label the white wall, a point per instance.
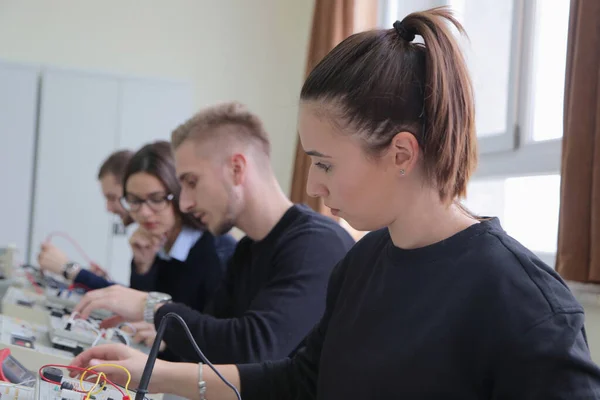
(251, 51)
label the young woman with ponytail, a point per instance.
(434, 303)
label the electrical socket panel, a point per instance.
(18, 280)
(22, 304)
(62, 298)
(31, 280)
(30, 343)
(34, 307)
(78, 335)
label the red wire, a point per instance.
(78, 248)
(42, 377)
(36, 285)
(90, 371)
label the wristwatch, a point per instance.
(68, 268)
(152, 300)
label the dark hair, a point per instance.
(157, 160)
(115, 164)
(381, 83)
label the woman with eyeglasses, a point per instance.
(172, 254)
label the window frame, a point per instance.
(509, 139)
(513, 153)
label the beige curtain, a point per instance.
(333, 21)
(578, 256)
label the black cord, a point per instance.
(145, 379)
(30, 266)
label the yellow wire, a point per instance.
(90, 393)
(111, 365)
(82, 387)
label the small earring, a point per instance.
(401, 172)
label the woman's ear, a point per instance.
(405, 150)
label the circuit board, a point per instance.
(50, 391)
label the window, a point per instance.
(548, 68)
(488, 55)
(516, 54)
(528, 207)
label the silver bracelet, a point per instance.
(201, 383)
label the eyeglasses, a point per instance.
(156, 202)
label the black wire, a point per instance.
(145, 379)
(30, 266)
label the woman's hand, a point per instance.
(125, 302)
(180, 379)
(119, 354)
(144, 247)
(52, 259)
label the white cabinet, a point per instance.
(18, 108)
(83, 118)
(78, 128)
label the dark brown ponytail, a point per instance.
(382, 82)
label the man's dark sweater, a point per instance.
(474, 317)
(274, 292)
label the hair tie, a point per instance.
(408, 35)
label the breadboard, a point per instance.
(50, 391)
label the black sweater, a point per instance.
(476, 316)
(274, 292)
(144, 282)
